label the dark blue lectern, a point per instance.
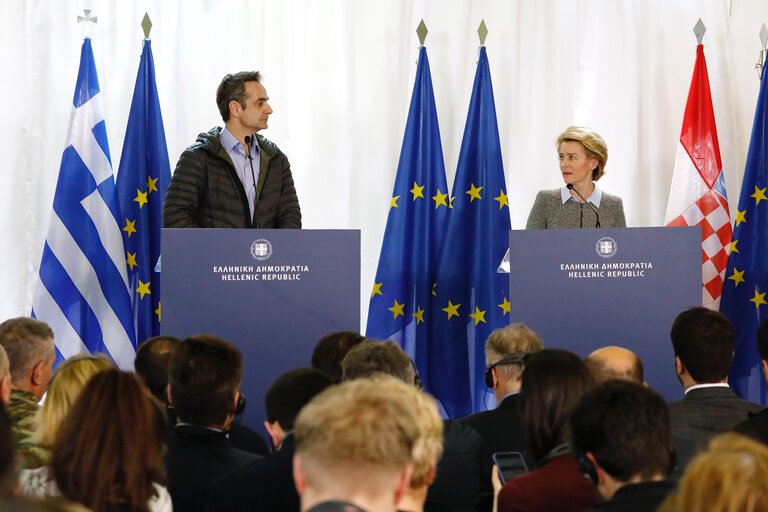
(581, 289)
(273, 293)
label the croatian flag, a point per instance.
(697, 196)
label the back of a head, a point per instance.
(357, 434)
(553, 383)
(291, 392)
(730, 475)
(153, 358)
(703, 340)
(204, 375)
(26, 341)
(65, 386)
(626, 427)
(108, 448)
(511, 341)
(372, 357)
(615, 363)
(330, 351)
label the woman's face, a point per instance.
(576, 166)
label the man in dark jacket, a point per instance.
(231, 177)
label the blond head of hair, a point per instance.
(357, 434)
(594, 146)
(65, 386)
(511, 340)
(729, 476)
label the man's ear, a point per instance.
(37, 373)
(764, 364)
(234, 108)
(275, 431)
(403, 482)
(679, 366)
(298, 476)
(5, 389)
(599, 471)
(168, 396)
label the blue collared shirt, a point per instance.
(236, 152)
(595, 197)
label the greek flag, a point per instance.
(83, 289)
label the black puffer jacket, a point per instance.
(205, 191)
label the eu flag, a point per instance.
(744, 299)
(471, 298)
(142, 180)
(83, 288)
(415, 225)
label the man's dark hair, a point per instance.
(762, 339)
(152, 360)
(553, 382)
(205, 373)
(626, 427)
(371, 357)
(330, 351)
(703, 340)
(292, 391)
(232, 87)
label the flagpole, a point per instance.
(761, 58)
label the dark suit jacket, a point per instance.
(266, 484)
(755, 427)
(502, 431)
(642, 497)
(706, 412)
(196, 458)
(557, 486)
(459, 473)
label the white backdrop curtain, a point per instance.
(339, 74)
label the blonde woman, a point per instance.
(580, 203)
(65, 386)
(732, 474)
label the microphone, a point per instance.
(597, 215)
(248, 140)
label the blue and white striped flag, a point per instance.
(83, 289)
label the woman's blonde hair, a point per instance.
(593, 144)
(731, 475)
(66, 383)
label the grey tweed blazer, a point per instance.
(549, 212)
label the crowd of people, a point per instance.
(354, 431)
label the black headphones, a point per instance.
(589, 471)
(554, 453)
(513, 359)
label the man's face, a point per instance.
(255, 115)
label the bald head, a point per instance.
(615, 363)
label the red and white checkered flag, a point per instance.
(697, 196)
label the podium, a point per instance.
(272, 293)
(582, 289)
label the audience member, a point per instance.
(330, 351)
(267, 484)
(757, 426)
(65, 386)
(553, 383)
(702, 340)
(501, 428)
(615, 363)
(204, 379)
(459, 480)
(107, 453)
(153, 358)
(729, 476)
(622, 436)
(29, 346)
(354, 446)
